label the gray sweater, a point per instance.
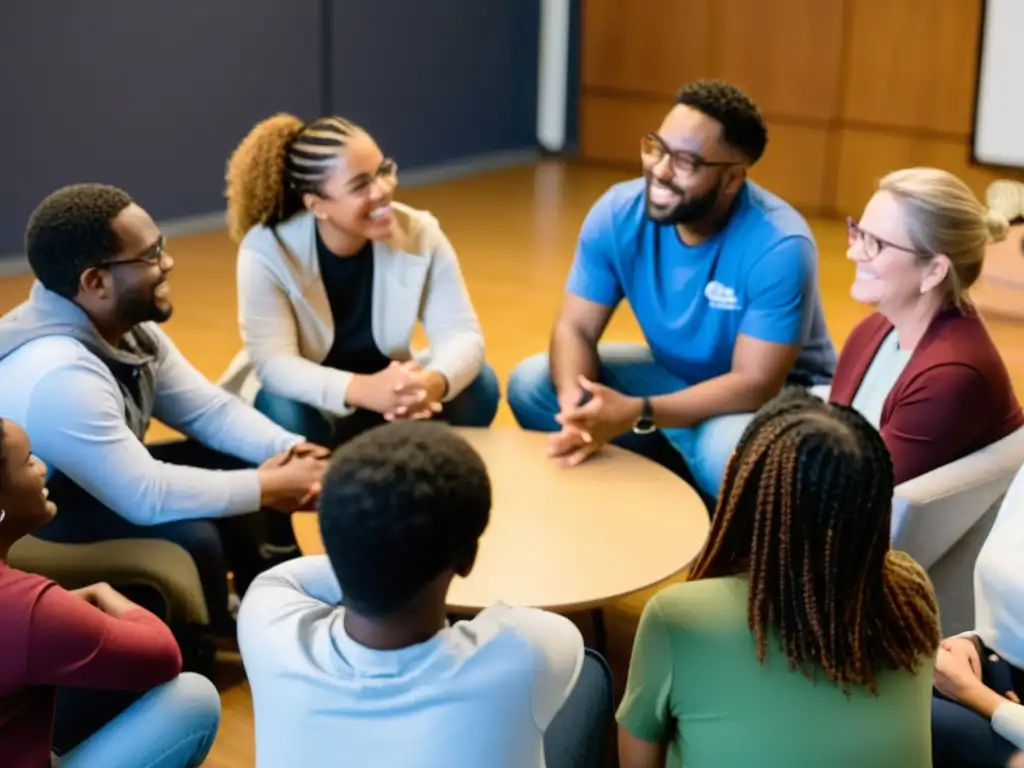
(86, 407)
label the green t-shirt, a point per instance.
(694, 680)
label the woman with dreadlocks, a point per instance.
(333, 276)
(800, 639)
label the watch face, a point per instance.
(644, 425)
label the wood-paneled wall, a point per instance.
(850, 89)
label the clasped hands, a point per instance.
(958, 676)
(400, 391)
(590, 417)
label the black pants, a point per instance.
(960, 736)
(234, 543)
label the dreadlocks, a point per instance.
(805, 509)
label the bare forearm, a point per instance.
(729, 393)
(572, 355)
(982, 700)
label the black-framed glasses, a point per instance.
(653, 149)
(386, 171)
(872, 244)
(154, 256)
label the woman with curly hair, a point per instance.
(800, 638)
(333, 275)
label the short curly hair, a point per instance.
(400, 504)
(743, 127)
(69, 231)
(279, 160)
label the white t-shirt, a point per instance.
(479, 693)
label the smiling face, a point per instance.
(690, 172)
(356, 197)
(141, 269)
(891, 274)
(23, 495)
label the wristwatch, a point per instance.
(644, 423)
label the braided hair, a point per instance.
(805, 510)
(280, 160)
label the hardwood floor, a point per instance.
(515, 232)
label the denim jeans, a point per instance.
(475, 406)
(631, 369)
(171, 726)
(576, 737)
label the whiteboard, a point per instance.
(999, 114)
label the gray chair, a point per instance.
(942, 518)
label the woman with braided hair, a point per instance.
(800, 638)
(333, 276)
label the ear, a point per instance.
(313, 204)
(95, 282)
(464, 565)
(935, 272)
(734, 179)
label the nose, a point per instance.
(40, 466)
(166, 262)
(662, 168)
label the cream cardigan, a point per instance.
(286, 323)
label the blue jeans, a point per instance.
(576, 736)
(475, 406)
(172, 726)
(630, 369)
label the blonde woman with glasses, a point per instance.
(923, 368)
(333, 275)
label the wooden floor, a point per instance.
(515, 233)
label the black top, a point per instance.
(348, 281)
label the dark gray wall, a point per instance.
(152, 96)
(438, 80)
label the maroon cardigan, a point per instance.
(953, 398)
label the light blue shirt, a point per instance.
(67, 400)
(886, 366)
(479, 693)
(758, 277)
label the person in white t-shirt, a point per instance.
(351, 658)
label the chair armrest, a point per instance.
(155, 563)
(932, 512)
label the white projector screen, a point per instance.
(999, 113)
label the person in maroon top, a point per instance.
(923, 367)
(92, 637)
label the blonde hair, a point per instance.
(279, 161)
(943, 216)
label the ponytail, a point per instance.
(279, 161)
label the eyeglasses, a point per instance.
(154, 256)
(872, 245)
(387, 172)
(653, 149)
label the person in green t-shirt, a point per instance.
(800, 639)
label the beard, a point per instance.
(141, 306)
(686, 211)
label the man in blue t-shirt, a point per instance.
(722, 277)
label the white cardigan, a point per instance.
(286, 323)
(999, 599)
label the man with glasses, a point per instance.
(85, 367)
(722, 277)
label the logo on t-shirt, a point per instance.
(721, 296)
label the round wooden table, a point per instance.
(568, 538)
